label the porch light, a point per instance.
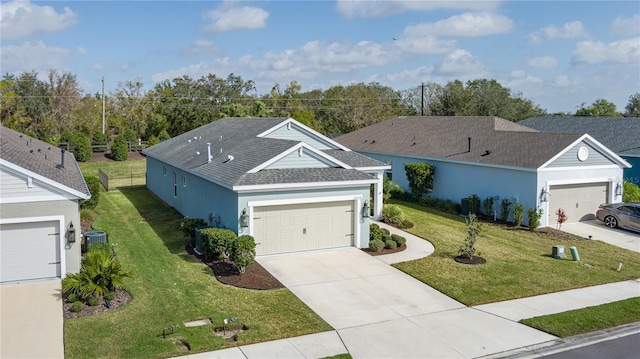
(366, 209)
(71, 233)
(244, 219)
(545, 195)
(619, 188)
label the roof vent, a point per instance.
(486, 153)
(209, 157)
(229, 159)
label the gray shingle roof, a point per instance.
(508, 143)
(41, 158)
(619, 134)
(354, 159)
(237, 137)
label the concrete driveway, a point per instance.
(597, 230)
(381, 312)
(31, 320)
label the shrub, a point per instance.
(472, 230)
(474, 204)
(110, 296)
(488, 206)
(390, 244)
(393, 214)
(82, 145)
(445, 205)
(100, 247)
(505, 209)
(216, 241)
(561, 217)
(72, 298)
(534, 218)
(76, 306)
(375, 232)
(391, 190)
(120, 149)
(400, 240)
(163, 135)
(518, 214)
(631, 192)
(189, 225)
(92, 301)
(242, 251)
(93, 183)
(99, 274)
(376, 245)
(420, 177)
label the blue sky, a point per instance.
(557, 53)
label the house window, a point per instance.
(164, 170)
(184, 181)
(175, 184)
(389, 173)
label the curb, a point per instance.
(564, 344)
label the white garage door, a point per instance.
(300, 227)
(579, 201)
(29, 251)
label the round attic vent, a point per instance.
(583, 154)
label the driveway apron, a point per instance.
(381, 312)
(598, 231)
(31, 320)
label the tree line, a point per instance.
(57, 109)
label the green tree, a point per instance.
(631, 192)
(518, 214)
(82, 147)
(472, 231)
(420, 177)
(599, 108)
(242, 252)
(120, 148)
(93, 183)
(632, 109)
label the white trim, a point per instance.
(43, 179)
(592, 141)
(373, 169)
(314, 133)
(578, 168)
(32, 199)
(62, 237)
(579, 181)
(306, 185)
(357, 205)
(291, 150)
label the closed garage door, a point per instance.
(579, 201)
(29, 251)
(300, 227)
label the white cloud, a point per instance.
(21, 19)
(626, 25)
(34, 56)
(596, 52)
(570, 30)
(470, 24)
(383, 8)
(229, 18)
(461, 62)
(426, 45)
(543, 62)
(563, 81)
(202, 47)
(97, 66)
(408, 76)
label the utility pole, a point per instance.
(103, 105)
(422, 99)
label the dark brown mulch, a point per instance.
(254, 277)
(105, 157)
(467, 260)
(384, 250)
(122, 297)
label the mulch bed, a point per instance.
(254, 277)
(105, 157)
(384, 251)
(467, 260)
(122, 297)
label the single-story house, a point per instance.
(283, 183)
(493, 157)
(41, 187)
(620, 134)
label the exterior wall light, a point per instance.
(545, 195)
(244, 219)
(366, 210)
(71, 233)
(619, 188)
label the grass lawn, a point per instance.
(518, 261)
(588, 319)
(114, 168)
(170, 287)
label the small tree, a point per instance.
(505, 209)
(534, 217)
(93, 183)
(518, 214)
(488, 206)
(472, 230)
(561, 217)
(120, 148)
(474, 204)
(631, 192)
(420, 177)
(242, 252)
(82, 145)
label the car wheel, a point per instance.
(611, 221)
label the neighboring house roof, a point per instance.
(244, 141)
(493, 140)
(619, 134)
(42, 159)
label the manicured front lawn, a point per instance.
(114, 168)
(170, 287)
(588, 319)
(518, 261)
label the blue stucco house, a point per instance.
(620, 134)
(285, 184)
(493, 157)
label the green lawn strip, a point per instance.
(170, 287)
(588, 319)
(340, 356)
(116, 168)
(518, 261)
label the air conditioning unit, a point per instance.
(94, 237)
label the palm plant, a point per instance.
(100, 274)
